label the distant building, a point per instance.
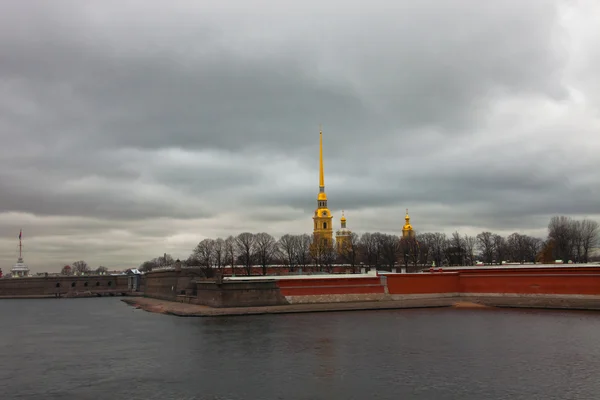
(20, 270)
(342, 236)
(134, 279)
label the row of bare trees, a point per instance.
(567, 240)
(248, 250)
(572, 239)
(81, 268)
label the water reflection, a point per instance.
(88, 349)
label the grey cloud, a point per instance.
(197, 119)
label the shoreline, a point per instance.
(81, 295)
(480, 303)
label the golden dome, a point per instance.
(407, 226)
(343, 219)
(322, 196)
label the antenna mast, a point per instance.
(20, 245)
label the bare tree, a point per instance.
(560, 230)
(328, 255)
(266, 249)
(66, 270)
(470, 243)
(80, 267)
(517, 247)
(350, 251)
(577, 240)
(303, 256)
(590, 237)
(101, 270)
(165, 260)
(148, 266)
(370, 244)
(288, 246)
(245, 243)
(219, 253)
(229, 252)
(438, 244)
(485, 243)
(425, 248)
(204, 252)
(534, 248)
(456, 249)
(390, 249)
(409, 252)
(500, 249)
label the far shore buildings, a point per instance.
(323, 219)
(20, 270)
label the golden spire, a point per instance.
(321, 173)
(322, 198)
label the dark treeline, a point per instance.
(567, 240)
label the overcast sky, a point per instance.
(133, 128)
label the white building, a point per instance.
(19, 270)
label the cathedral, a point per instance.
(323, 219)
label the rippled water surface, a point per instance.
(104, 349)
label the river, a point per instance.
(101, 348)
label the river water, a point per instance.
(104, 349)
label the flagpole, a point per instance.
(20, 245)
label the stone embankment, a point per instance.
(193, 310)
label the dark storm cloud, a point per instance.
(198, 119)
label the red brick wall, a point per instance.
(572, 281)
(423, 283)
(580, 283)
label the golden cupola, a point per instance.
(407, 230)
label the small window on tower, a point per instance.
(324, 225)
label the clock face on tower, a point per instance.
(324, 213)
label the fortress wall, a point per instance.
(64, 286)
(238, 294)
(526, 270)
(166, 285)
(332, 290)
(412, 284)
(546, 281)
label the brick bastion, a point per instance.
(186, 292)
(67, 286)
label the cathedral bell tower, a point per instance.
(323, 229)
(342, 237)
